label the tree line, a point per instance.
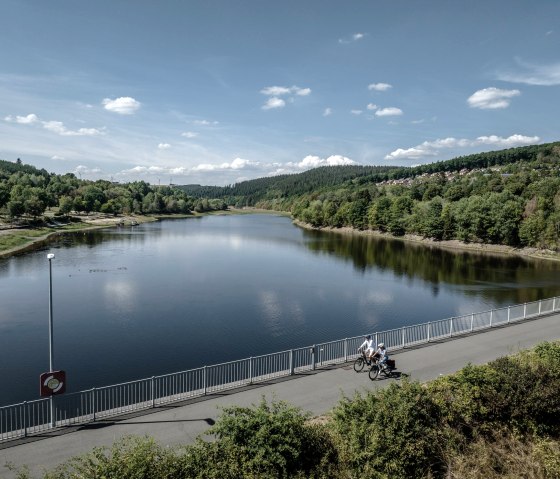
(27, 192)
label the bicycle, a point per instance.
(386, 369)
(361, 361)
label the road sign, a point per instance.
(52, 383)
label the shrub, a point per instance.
(131, 457)
(394, 432)
(266, 440)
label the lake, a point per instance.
(172, 295)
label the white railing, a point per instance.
(33, 417)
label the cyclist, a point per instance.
(367, 347)
(382, 354)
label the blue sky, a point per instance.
(219, 91)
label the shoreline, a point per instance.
(100, 222)
(90, 223)
(453, 245)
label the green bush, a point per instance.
(394, 432)
(266, 440)
(131, 458)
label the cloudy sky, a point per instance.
(219, 91)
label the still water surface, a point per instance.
(168, 296)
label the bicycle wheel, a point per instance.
(374, 372)
(359, 364)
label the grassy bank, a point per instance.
(21, 239)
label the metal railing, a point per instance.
(33, 417)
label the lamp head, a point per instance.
(50, 256)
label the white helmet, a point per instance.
(381, 345)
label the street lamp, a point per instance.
(50, 257)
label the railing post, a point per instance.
(313, 358)
(540, 304)
(403, 337)
(472, 322)
(491, 314)
(251, 370)
(524, 310)
(25, 419)
(292, 368)
(152, 391)
(345, 350)
(451, 328)
(376, 339)
(93, 403)
(554, 304)
(508, 313)
(429, 330)
(204, 386)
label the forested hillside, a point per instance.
(27, 192)
(247, 193)
(509, 197)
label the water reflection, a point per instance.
(492, 276)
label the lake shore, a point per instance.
(32, 238)
(20, 240)
(454, 245)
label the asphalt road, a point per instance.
(317, 392)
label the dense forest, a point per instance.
(509, 197)
(27, 192)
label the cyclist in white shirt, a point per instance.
(367, 347)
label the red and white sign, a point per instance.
(52, 383)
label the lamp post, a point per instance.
(50, 257)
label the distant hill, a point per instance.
(282, 186)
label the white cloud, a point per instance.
(356, 112)
(237, 164)
(491, 98)
(509, 142)
(53, 126)
(530, 74)
(327, 112)
(56, 157)
(189, 134)
(390, 111)
(311, 161)
(277, 91)
(431, 148)
(371, 106)
(302, 91)
(59, 128)
(379, 86)
(123, 105)
(274, 102)
(24, 120)
(352, 38)
(206, 122)
(164, 146)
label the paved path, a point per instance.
(316, 392)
